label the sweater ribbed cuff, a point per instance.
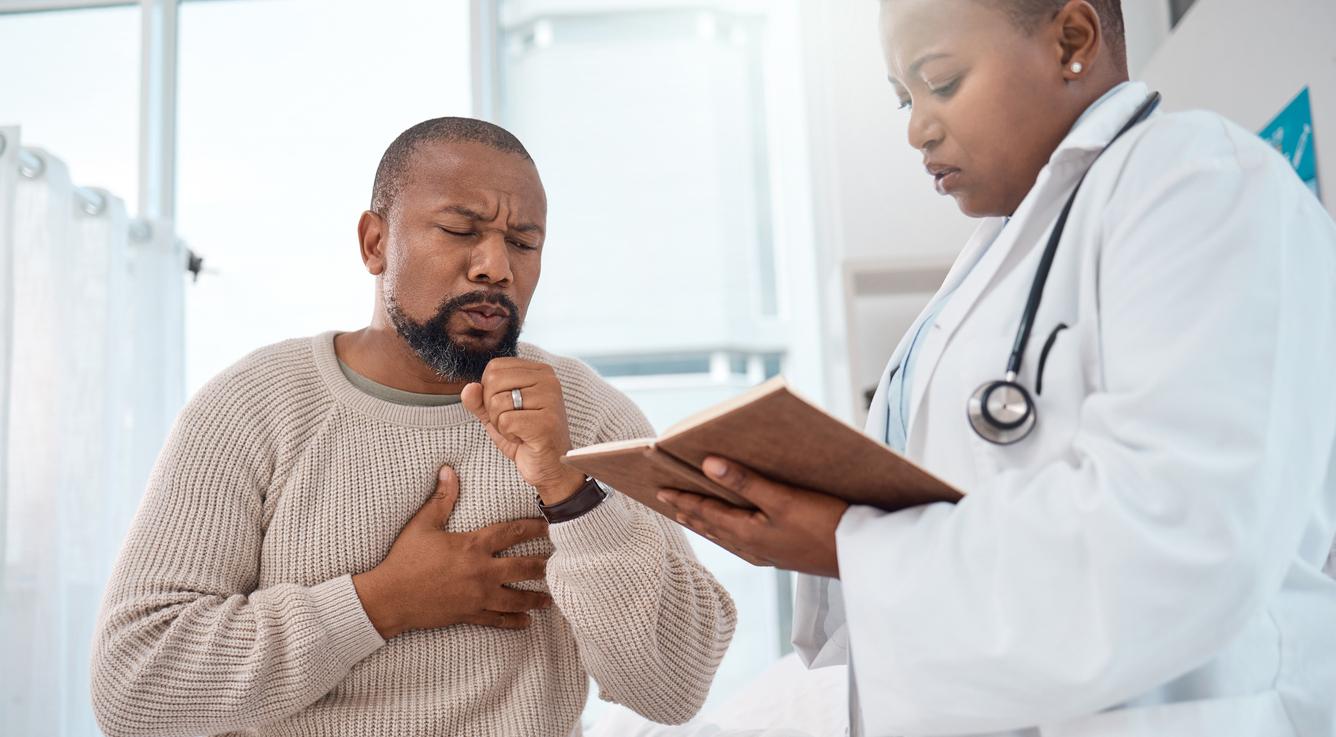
(607, 528)
(352, 637)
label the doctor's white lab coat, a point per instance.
(1149, 561)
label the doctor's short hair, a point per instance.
(397, 159)
(1029, 14)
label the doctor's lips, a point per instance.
(946, 178)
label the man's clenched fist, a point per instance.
(534, 436)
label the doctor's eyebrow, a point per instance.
(917, 65)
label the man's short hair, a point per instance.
(1029, 14)
(395, 163)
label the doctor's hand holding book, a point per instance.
(766, 475)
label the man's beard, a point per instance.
(432, 343)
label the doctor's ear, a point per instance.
(371, 234)
(1080, 38)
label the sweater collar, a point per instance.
(327, 363)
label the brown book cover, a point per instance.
(778, 434)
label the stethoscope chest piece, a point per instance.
(1002, 412)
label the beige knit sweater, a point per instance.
(231, 608)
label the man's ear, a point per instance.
(371, 234)
(1080, 38)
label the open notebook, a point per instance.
(773, 431)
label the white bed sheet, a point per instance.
(786, 700)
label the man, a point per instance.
(343, 533)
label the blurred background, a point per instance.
(731, 198)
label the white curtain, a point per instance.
(94, 342)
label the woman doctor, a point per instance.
(1141, 411)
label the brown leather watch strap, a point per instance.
(577, 505)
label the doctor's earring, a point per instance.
(1077, 67)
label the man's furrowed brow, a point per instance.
(469, 213)
(478, 217)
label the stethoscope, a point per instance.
(1003, 412)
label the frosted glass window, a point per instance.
(70, 79)
(649, 129)
(285, 109)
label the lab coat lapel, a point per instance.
(878, 410)
(1030, 226)
(998, 236)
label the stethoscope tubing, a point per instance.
(1036, 295)
(978, 410)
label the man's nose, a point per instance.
(489, 261)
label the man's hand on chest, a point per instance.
(433, 578)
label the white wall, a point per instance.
(1246, 59)
(1147, 23)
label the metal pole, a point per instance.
(157, 110)
(157, 206)
(9, 164)
(484, 27)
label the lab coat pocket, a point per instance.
(1250, 716)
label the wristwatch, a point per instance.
(576, 505)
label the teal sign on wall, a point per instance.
(1292, 135)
